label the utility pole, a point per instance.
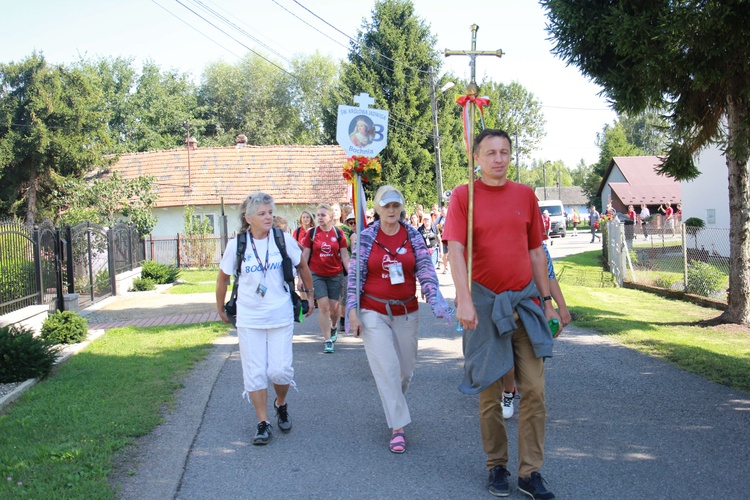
(436, 140)
(187, 146)
(518, 165)
(544, 178)
(559, 177)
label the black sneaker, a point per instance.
(283, 420)
(263, 434)
(498, 481)
(534, 486)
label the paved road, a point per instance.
(620, 425)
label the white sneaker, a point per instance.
(508, 404)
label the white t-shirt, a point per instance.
(645, 212)
(274, 309)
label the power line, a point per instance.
(233, 38)
(196, 29)
(359, 44)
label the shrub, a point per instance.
(65, 327)
(101, 282)
(143, 284)
(663, 281)
(703, 279)
(159, 273)
(24, 356)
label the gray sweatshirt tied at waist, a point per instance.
(488, 351)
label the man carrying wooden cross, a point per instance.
(504, 325)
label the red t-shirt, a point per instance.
(300, 234)
(325, 259)
(546, 221)
(506, 226)
(378, 282)
(631, 214)
(669, 212)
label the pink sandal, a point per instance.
(398, 442)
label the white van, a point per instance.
(557, 216)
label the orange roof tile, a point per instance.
(291, 174)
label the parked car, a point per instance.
(557, 217)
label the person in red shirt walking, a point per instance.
(324, 248)
(506, 311)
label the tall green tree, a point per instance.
(516, 110)
(612, 142)
(648, 130)
(692, 58)
(391, 60)
(315, 76)
(52, 127)
(253, 97)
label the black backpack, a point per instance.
(286, 265)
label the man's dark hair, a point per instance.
(490, 132)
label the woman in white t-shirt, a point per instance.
(264, 310)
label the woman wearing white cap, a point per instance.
(391, 256)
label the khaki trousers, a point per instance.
(532, 415)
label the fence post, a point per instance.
(91, 258)
(111, 260)
(38, 265)
(224, 236)
(130, 249)
(58, 271)
(69, 259)
(151, 246)
(178, 250)
(684, 257)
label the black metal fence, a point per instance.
(41, 264)
(186, 251)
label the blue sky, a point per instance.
(166, 32)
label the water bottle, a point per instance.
(554, 326)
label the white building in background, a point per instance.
(707, 197)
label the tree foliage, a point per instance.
(109, 200)
(52, 127)
(691, 58)
(391, 60)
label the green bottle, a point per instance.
(554, 326)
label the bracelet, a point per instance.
(307, 291)
(545, 299)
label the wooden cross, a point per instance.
(472, 89)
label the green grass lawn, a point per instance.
(655, 325)
(59, 438)
(196, 281)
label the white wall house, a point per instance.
(707, 196)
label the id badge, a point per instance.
(261, 290)
(396, 272)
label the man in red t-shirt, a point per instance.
(507, 256)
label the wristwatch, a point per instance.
(545, 299)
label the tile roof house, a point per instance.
(632, 180)
(298, 178)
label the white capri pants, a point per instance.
(391, 347)
(266, 354)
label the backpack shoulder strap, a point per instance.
(286, 261)
(241, 246)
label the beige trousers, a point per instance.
(391, 347)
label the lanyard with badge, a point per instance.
(262, 289)
(396, 269)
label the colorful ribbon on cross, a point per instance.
(480, 103)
